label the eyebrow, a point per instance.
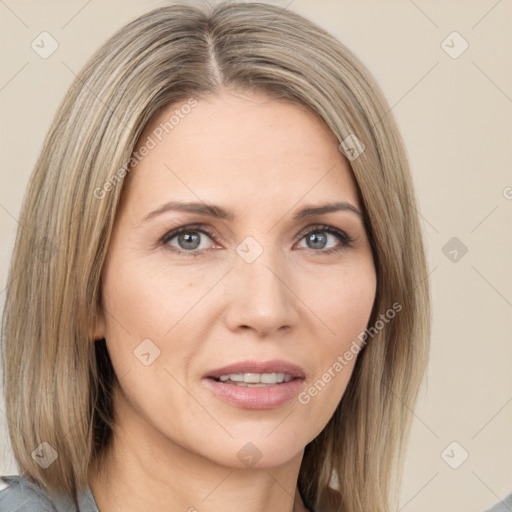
(211, 210)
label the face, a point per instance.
(261, 282)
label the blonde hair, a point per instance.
(58, 383)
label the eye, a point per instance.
(189, 239)
(317, 238)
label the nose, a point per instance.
(260, 295)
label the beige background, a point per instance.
(455, 116)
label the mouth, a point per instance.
(252, 371)
(254, 380)
(256, 385)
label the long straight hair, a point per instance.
(58, 383)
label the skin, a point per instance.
(175, 442)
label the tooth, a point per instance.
(269, 378)
(253, 378)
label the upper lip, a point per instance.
(274, 366)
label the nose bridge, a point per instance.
(260, 297)
(261, 268)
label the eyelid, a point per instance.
(200, 228)
(347, 241)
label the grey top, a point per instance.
(505, 505)
(21, 495)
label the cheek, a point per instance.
(153, 308)
(144, 304)
(148, 298)
(344, 305)
(355, 301)
(348, 315)
(342, 299)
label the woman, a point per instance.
(223, 276)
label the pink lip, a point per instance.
(274, 366)
(264, 397)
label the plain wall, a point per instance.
(455, 117)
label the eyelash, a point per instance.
(346, 241)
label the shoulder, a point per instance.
(20, 495)
(504, 505)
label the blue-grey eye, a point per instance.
(188, 239)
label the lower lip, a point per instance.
(268, 397)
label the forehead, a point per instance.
(243, 148)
